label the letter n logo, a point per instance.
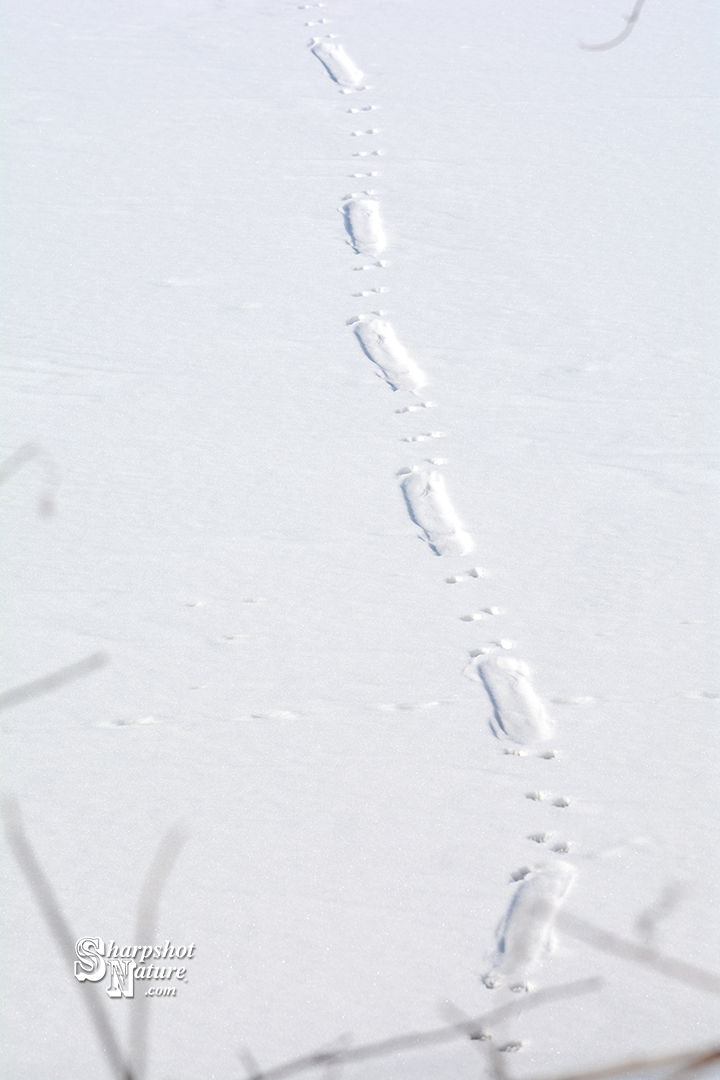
(122, 982)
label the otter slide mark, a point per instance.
(519, 712)
(431, 509)
(380, 343)
(525, 933)
(362, 221)
(337, 63)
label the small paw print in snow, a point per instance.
(561, 802)
(521, 874)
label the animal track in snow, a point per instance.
(424, 436)
(416, 408)
(130, 722)
(279, 714)
(431, 509)
(561, 802)
(475, 617)
(380, 343)
(337, 63)
(539, 837)
(519, 712)
(521, 874)
(362, 221)
(409, 706)
(526, 931)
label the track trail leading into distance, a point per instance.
(519, 718)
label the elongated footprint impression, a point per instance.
(337, 63)
(380, 343)
(519, 712)
(526, 930)
(362, 221)
(431, 509)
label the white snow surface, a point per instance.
(285, 654)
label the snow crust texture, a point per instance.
(380, 342)
(525, 933)
(519, 712)
(362, 220)
(431, 509)
(338, 64)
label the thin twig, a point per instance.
(706, 1058)
(606, 942)
(60, 930)
(56, 679)
(631, 20)
(146, 919)
(690, 1058)
(413, 1041)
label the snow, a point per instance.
(286, 652)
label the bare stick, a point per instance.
(706, 1058)
(146, 919)
(56, 679)
(436, 1037)
(641, 954)
(631, 20)
(64, 937)
(690, 1059)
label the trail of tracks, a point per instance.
(520, 720)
